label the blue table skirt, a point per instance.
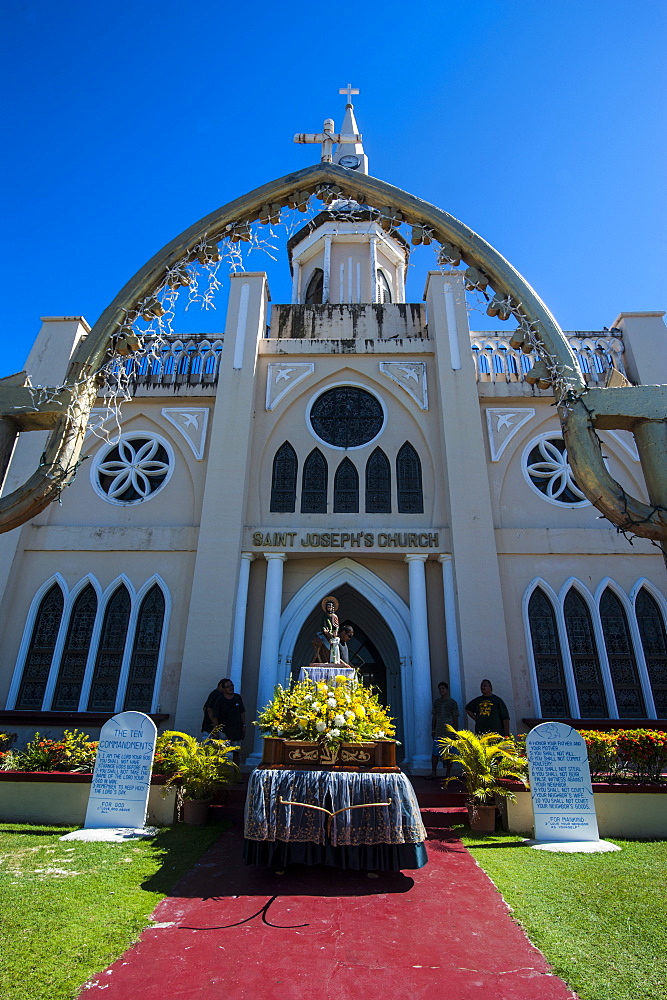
(376, 824)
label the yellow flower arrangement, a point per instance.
(343, 711)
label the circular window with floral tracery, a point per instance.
(547, 469)
(132, 469)
(346, 416)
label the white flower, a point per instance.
(339, 720)
(320, 726)
(317, 707)
(334, 732)
(349, 714)
(331, 702)
(379, 736)
(307, 697)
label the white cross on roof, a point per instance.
(349, 90)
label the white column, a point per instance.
(453, 655)
(373, 265)
(238, 643)
(421, 664)
(326, 279)
(400, 282)
(268, 657)
(296, 281)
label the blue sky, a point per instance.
(539, 125)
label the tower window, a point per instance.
(409, 481)
(346, 489)
(383, 289)
(315, 289)
(314, 484)
(378, 483)
(283, 480)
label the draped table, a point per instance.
(347, 819)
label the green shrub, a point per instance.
(74, 751)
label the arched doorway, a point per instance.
(373, 645)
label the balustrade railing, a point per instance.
(496, 361)
(195, 360)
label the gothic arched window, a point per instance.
(75, 652)
(383, 289)
(409, 481)
(314, 484)
(104, 687)
(346, 489)
(585, 662)
(315, 289)
(547, 655)
(145, 652)
(621, 656)
(283, 480)
(654, 642)
(40, 651)
(378, 483)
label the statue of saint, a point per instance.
(327, 637)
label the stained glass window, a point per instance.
(283, 480)
(40, 651)
(378, 483)
(654, 642)
(585, 662)
(110, 651)
(547, 655)
(621, 656)
(346, 417)
(346, 489)
(75, 652)
(314, 484)
(145, 652)
(409, 481)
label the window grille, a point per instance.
(314, 484)
(347, 417)
(315, 289)
(283, 480)
(378, 483)
(654, 642)
(145, 652)
(40, 651)
(621, 656)
(75, 653)
(383, 289)
(585, 662)
(104, 687)
(409, 481)
(346, 489)
(547, 655)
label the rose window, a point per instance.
(346, 417)
(132, 469)
(547, 469)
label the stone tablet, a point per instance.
(560, 784)
(122, 775)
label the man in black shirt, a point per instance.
(210, 720)
(229, 711)
(489, 712)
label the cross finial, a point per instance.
(349, 90)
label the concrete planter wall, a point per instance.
(625, 811)
(55, 798)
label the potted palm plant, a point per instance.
(199, 770)
(486, 761)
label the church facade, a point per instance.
(346, 443)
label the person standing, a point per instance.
(230, 714)
(445, 713)
(489, 712)
(346, 633)
(210, 720)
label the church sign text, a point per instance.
(346, 539)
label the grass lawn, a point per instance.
(600, 919)
(69, 909)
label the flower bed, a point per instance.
(619, 755)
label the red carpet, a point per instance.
(232, 932)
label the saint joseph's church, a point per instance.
(347, 443)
